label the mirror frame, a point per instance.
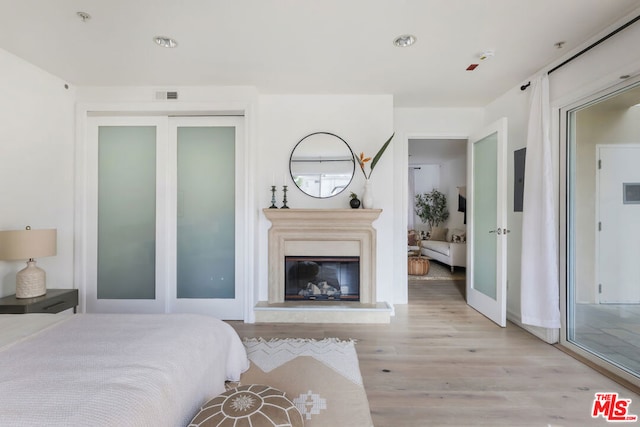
(353, 161)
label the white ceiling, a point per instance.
(307, 46)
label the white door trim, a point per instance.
(246, 108)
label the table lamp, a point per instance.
(28, 244)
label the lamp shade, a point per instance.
(27, 244)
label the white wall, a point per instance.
(453, 176)
(427, 178)
(275, 124)
(365, 122)
(36, 164)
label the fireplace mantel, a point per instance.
(322, 232)
(313, 218)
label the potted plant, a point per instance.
(432, 208)
(354, 202)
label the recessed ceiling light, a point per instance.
(404, 40)
(165, 41)
(84, 16)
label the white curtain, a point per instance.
(412, 199)
(540, 299)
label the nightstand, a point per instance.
(54, 301)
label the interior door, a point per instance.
(486, 281)
(618, 226)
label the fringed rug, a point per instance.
(438, 271)
(322, 378)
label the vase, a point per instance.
(354, 203)
(367, 195)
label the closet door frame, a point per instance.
(245, 205)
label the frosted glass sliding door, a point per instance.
(205, 212)
(126, 212)
(206, 228)
(162, 222)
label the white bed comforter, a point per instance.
(116, 370)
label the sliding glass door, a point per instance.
(603, 230)
(162, 226)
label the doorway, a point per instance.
(439, 164)
(602, 158)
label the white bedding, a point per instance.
(113, 370)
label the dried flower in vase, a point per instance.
(362, 160)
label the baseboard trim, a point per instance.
(550, 336)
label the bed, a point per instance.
(113, 369)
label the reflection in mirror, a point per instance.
(322, 164)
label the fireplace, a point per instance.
(325, 278)
(343, 242)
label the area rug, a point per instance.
(438, 271)
(321, 377)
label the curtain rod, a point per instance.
(588, 48)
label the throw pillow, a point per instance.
(438, 233)
(457, 235)
(457, 238)
(413, 238)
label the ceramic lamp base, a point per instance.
(31, 281)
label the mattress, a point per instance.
(113, 369)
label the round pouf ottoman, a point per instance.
(417, 266)
(249, 405)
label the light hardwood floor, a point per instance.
(440, 362)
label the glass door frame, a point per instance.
(227, 309)
(494, 309)
(92, 303)
(566, 131)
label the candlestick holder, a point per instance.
(284, 200)
(273, 198)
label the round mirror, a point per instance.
(322, 164)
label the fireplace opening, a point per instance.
(322, 278)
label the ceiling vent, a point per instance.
(166, 95)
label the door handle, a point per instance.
(500, 231)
